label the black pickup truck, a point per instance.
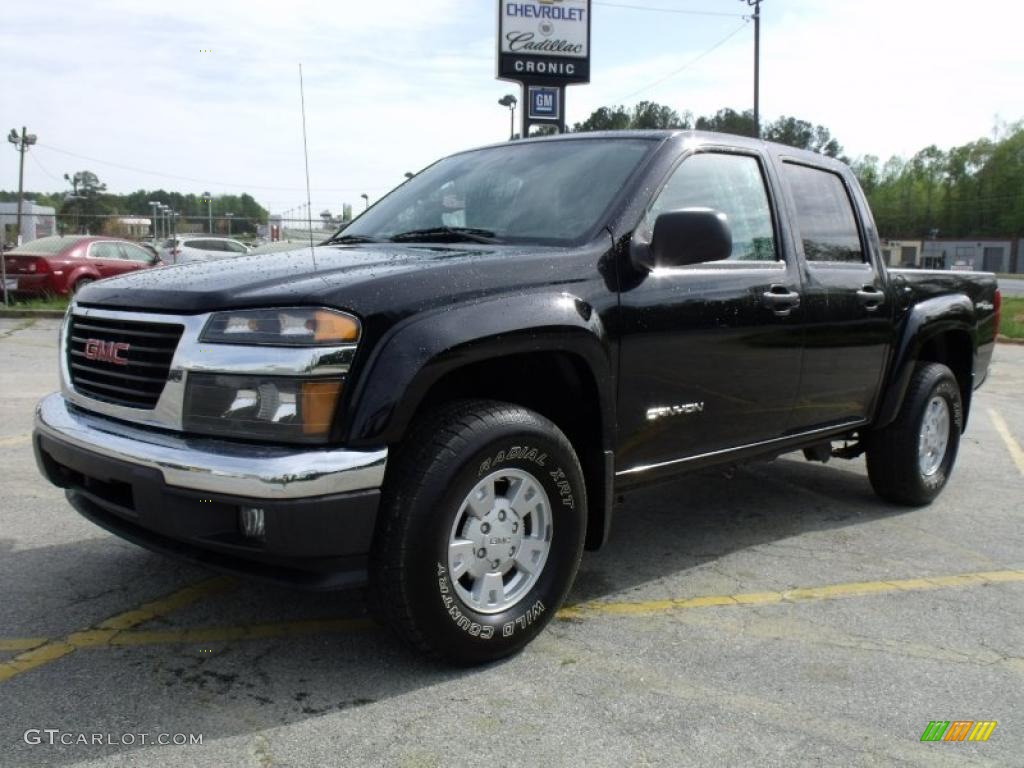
(449, 395)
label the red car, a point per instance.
(60, 265)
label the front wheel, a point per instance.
(481, 532)
(910, 461)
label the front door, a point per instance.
(710, 354)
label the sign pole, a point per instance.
(545, 47)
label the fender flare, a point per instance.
(924, 322)
(418, 351)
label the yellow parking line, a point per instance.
(1016, 453)
(251, 632)
(830, 592)
(15, 440)
(107, 630)
(119, 631)
(21, 643)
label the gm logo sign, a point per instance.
(545, 103)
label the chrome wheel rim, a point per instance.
(934, 437)
(500, 540)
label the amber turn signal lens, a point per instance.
(331, 326)
(318, 401)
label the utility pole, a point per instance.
(756, 5)
(21, 143)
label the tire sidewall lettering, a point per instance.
(530, 457)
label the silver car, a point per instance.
(187, 249)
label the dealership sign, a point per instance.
(544, 41)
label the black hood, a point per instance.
(363, 279)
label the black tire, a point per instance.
(434, 470)
(80, 284)
(893, 452)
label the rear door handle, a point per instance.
(780, 300)
(871, 297)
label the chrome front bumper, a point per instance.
(215, 466)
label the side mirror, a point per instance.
(689, 236)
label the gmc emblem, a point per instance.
(107, 351)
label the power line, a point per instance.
(41, 168)
(631, 7)
(688, 64)
(206, 182)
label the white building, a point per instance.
(36, 221)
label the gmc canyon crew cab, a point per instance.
(447, 397)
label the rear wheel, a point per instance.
(910, 461)
(481, 531)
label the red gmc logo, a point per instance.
(106, 351)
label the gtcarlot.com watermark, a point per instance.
(55, 736)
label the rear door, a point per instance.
(106, 257)
(848, 309)
(710, 353)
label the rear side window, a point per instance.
(824, 214)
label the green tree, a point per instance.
(728, 121)
(801, 134)
(86, 204)
(605, 119)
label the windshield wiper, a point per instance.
(342, 239)
(471, 234)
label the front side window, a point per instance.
(730, 184)
(540, 192)
(134, 253)
(824, 214)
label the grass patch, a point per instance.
(1012, 323)
(53, 302)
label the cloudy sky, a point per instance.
(204, 95)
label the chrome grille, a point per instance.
(138, 382)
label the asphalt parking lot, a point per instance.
(778, 616)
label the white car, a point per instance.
(187, 249)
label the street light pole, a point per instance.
(153, 205)
(510, 101)
(209, 212)
(366, 199)
(756, 5)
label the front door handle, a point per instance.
(871, 297)
(780, 300)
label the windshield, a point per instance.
(545, 192)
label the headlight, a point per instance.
(299, 327)
(261, 407)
